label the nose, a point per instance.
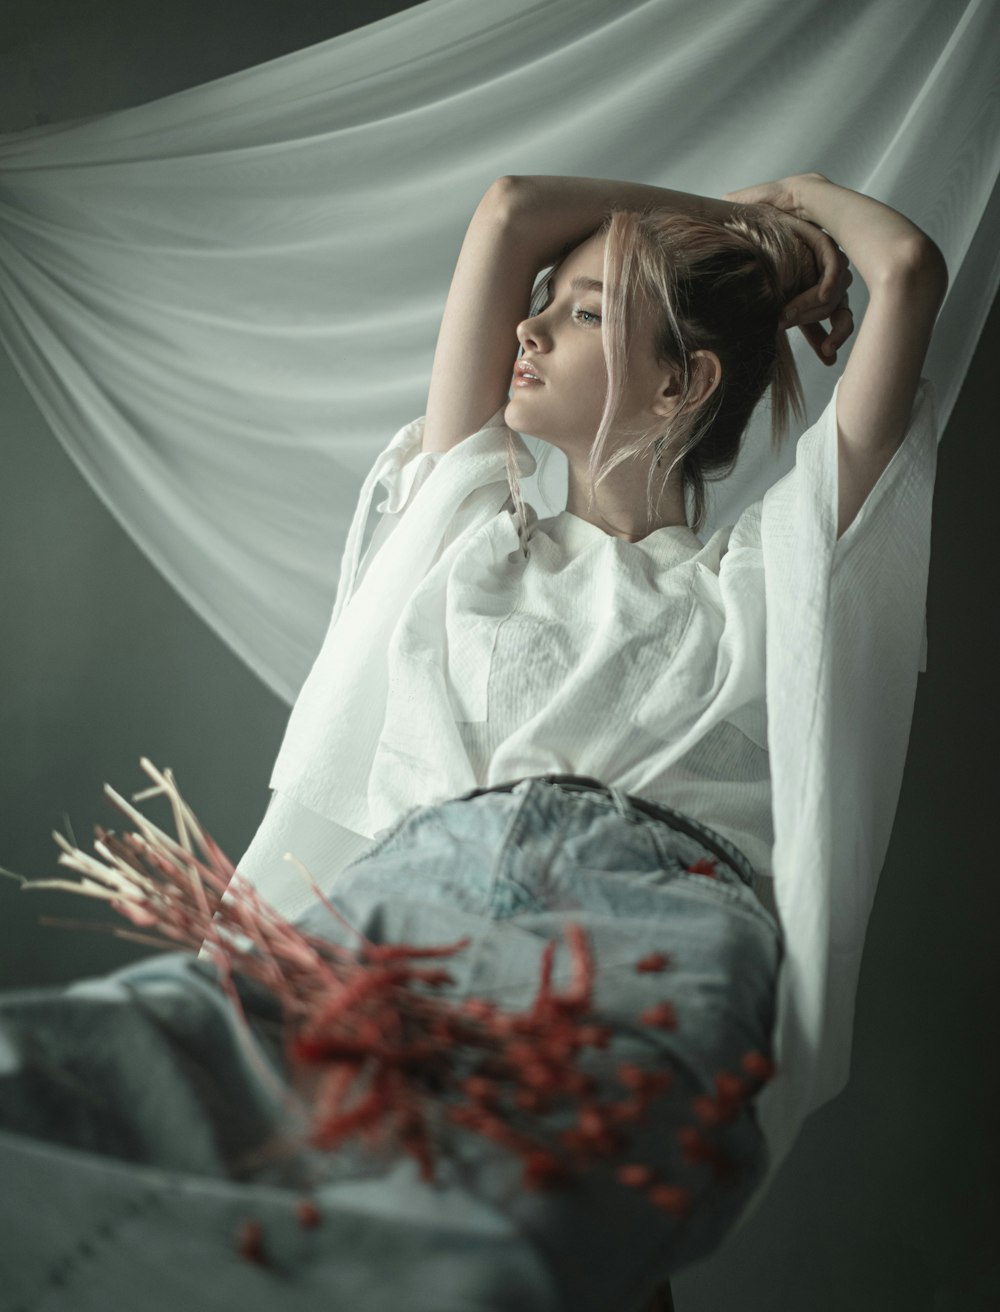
(530, 335)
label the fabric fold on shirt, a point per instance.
(328, 751)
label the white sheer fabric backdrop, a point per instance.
(226, 301)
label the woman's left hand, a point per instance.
(827, 298)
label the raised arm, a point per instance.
(907, 278)
(521, 225)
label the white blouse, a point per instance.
(761, 682)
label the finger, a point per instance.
(841, 327)
(814, 304)
(826, 254)
(807, 307)
(836, 279)
(816, 336)
(810, 306)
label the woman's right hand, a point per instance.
(827, 298)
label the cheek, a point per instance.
(597, 381)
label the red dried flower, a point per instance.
(671, 1198)
(480, 1089)
(655, 961)
(630, 1075)
(251, 1243)
(631, 1109)
(730, 1087)
(370, 1052)
(760, 1067)
(543, 1170)
(704, 866)
(307, 1214)
(657, 1082)
(636, 1175)
(662, 1016)
(715, 1111)
(478, 1008)
(529, 1100)
(695, 1147)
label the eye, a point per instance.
(587, 316)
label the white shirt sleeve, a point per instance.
(401, 481)
(844, 643)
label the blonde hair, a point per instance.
(716, 285)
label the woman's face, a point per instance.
(563, 343)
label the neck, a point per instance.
(619, 507)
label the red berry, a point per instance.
(528, 1100)
(470, 1116)
(703, 866)
(478, 1008)
(729, 1086)
(671, 1198)
(521, 1053)
(694, 1145)
(539, 1076)
(630, 1109)
(663, 1016)
(656, 961)
(579, 1083)
(307, 1214)
(635, 1175)
(479, 1089)
(655, 1082)
(251, 1243)
(632, 1076)
(759, 1066)
(595, 1036)
(542, 1171)
(591, 1120)
(606, 1144)
(706, 1110)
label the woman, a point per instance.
(516, 723)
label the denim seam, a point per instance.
(739, 898)
(381, 843)
(515, 830)
(64, 1270)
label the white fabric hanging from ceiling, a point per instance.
(224, 302)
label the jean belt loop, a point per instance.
(621, 800)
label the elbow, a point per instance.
(504, 195)
(921, 266)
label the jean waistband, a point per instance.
(715, 843)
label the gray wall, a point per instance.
(889, 1200)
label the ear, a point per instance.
(706, 375)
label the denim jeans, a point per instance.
(126, 1169)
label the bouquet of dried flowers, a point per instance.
(379, 1052)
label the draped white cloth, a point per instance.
(224, 300)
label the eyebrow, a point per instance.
(581, 283)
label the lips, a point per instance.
(525, 373)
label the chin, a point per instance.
(510, 417)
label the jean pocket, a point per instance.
(730, 893)
(718, 880)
